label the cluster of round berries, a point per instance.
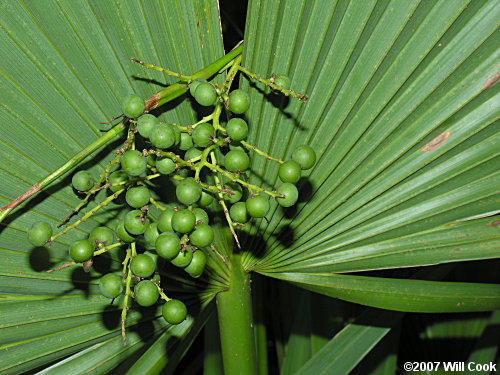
(206, 161)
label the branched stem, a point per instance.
(180, 77)
(259, 152)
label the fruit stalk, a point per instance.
(234, 307)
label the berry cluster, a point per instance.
(207, 162)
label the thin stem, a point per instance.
(180, 77)
(128, 291)
(259, 152)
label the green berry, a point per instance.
(150, 235)
(134, 163)
(174, 311)
(236, 161)
(133, 106)
(123, 234)
(205, 94)
(197, 265)
(135, 222)
(305, 156)
(192, 153)
(186, 142)
(162, 136)
(183, 221)
(194, 85)
(201, 215)
(237, 129)
(188, 191)
(206, 199)
(203, 135)
(142, 265)
(282, 81)
(238, 212)
(291, 194)
(101, 235)
(39, 233)
(168, 245)
(138, 196)
(165, 165)
(257, 206)
(81, 251)
(115, 178)
(82, 181)
(146, 123)
(146, 293)
(110, 285)
(238, 101)
(182, 259)
(235, 192)
(290, 171)
(165, 221)
(202, 236)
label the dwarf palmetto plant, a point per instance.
(364, 198)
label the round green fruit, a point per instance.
(150, 235)
(202, 236)
(186, 142)
(168, 245)
(203, 135)
(238, 212)
(146, 293)
(122, 233)
(182, 259)
(257, 206)
(290, 171)
(201, 216)
(291, 195)
(206, 199)
(138, 196)
(174, 311)
(205, 94)
(135, 222)
(165, 165)
(110, 285)
(194, 85)
(192, 153)
(133, 106)
(237, 129)
(235, 192)
(188, 191)
(81, 251)
(282, 80)
(162, 136)
(39, 233)
(142, 265)
(115, 178)
(305, 156)
(165, 221)
(82, 181)
(134, 163)
(146, 123)
(183, 221)
(236, 161)
(197, 265)
(101, 235)
(238, 101)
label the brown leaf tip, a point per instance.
(436, 142)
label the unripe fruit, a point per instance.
(133, 106)
(135, 222)
(101, 235)
(39, 233)
(257, 206)
(165, 166)
(146, 293)
(201, 215)
(237, 129)
(133, 163)
(238, 101)
(188, 191)
(182, 259)
(82, 181)
(192, 153)
(205, 94)
(206, 199)
(203, 135)
(194, 85)
(305, 156)
(291, 195)
(150, 236)
(115, 178)
(123, 234)
(183, 221)
(202, 236)
(142, 265)
(238, 212)
(146, 123)
(138, 196)
(186, 142)
(290, 171)
(174, 311)
(168, 245)
(236, 161)
(81, 251)
(110, 285)
(165, 221)
(197, 265)
(162, 136)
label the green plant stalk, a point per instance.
(234, 307)
(167, 94)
